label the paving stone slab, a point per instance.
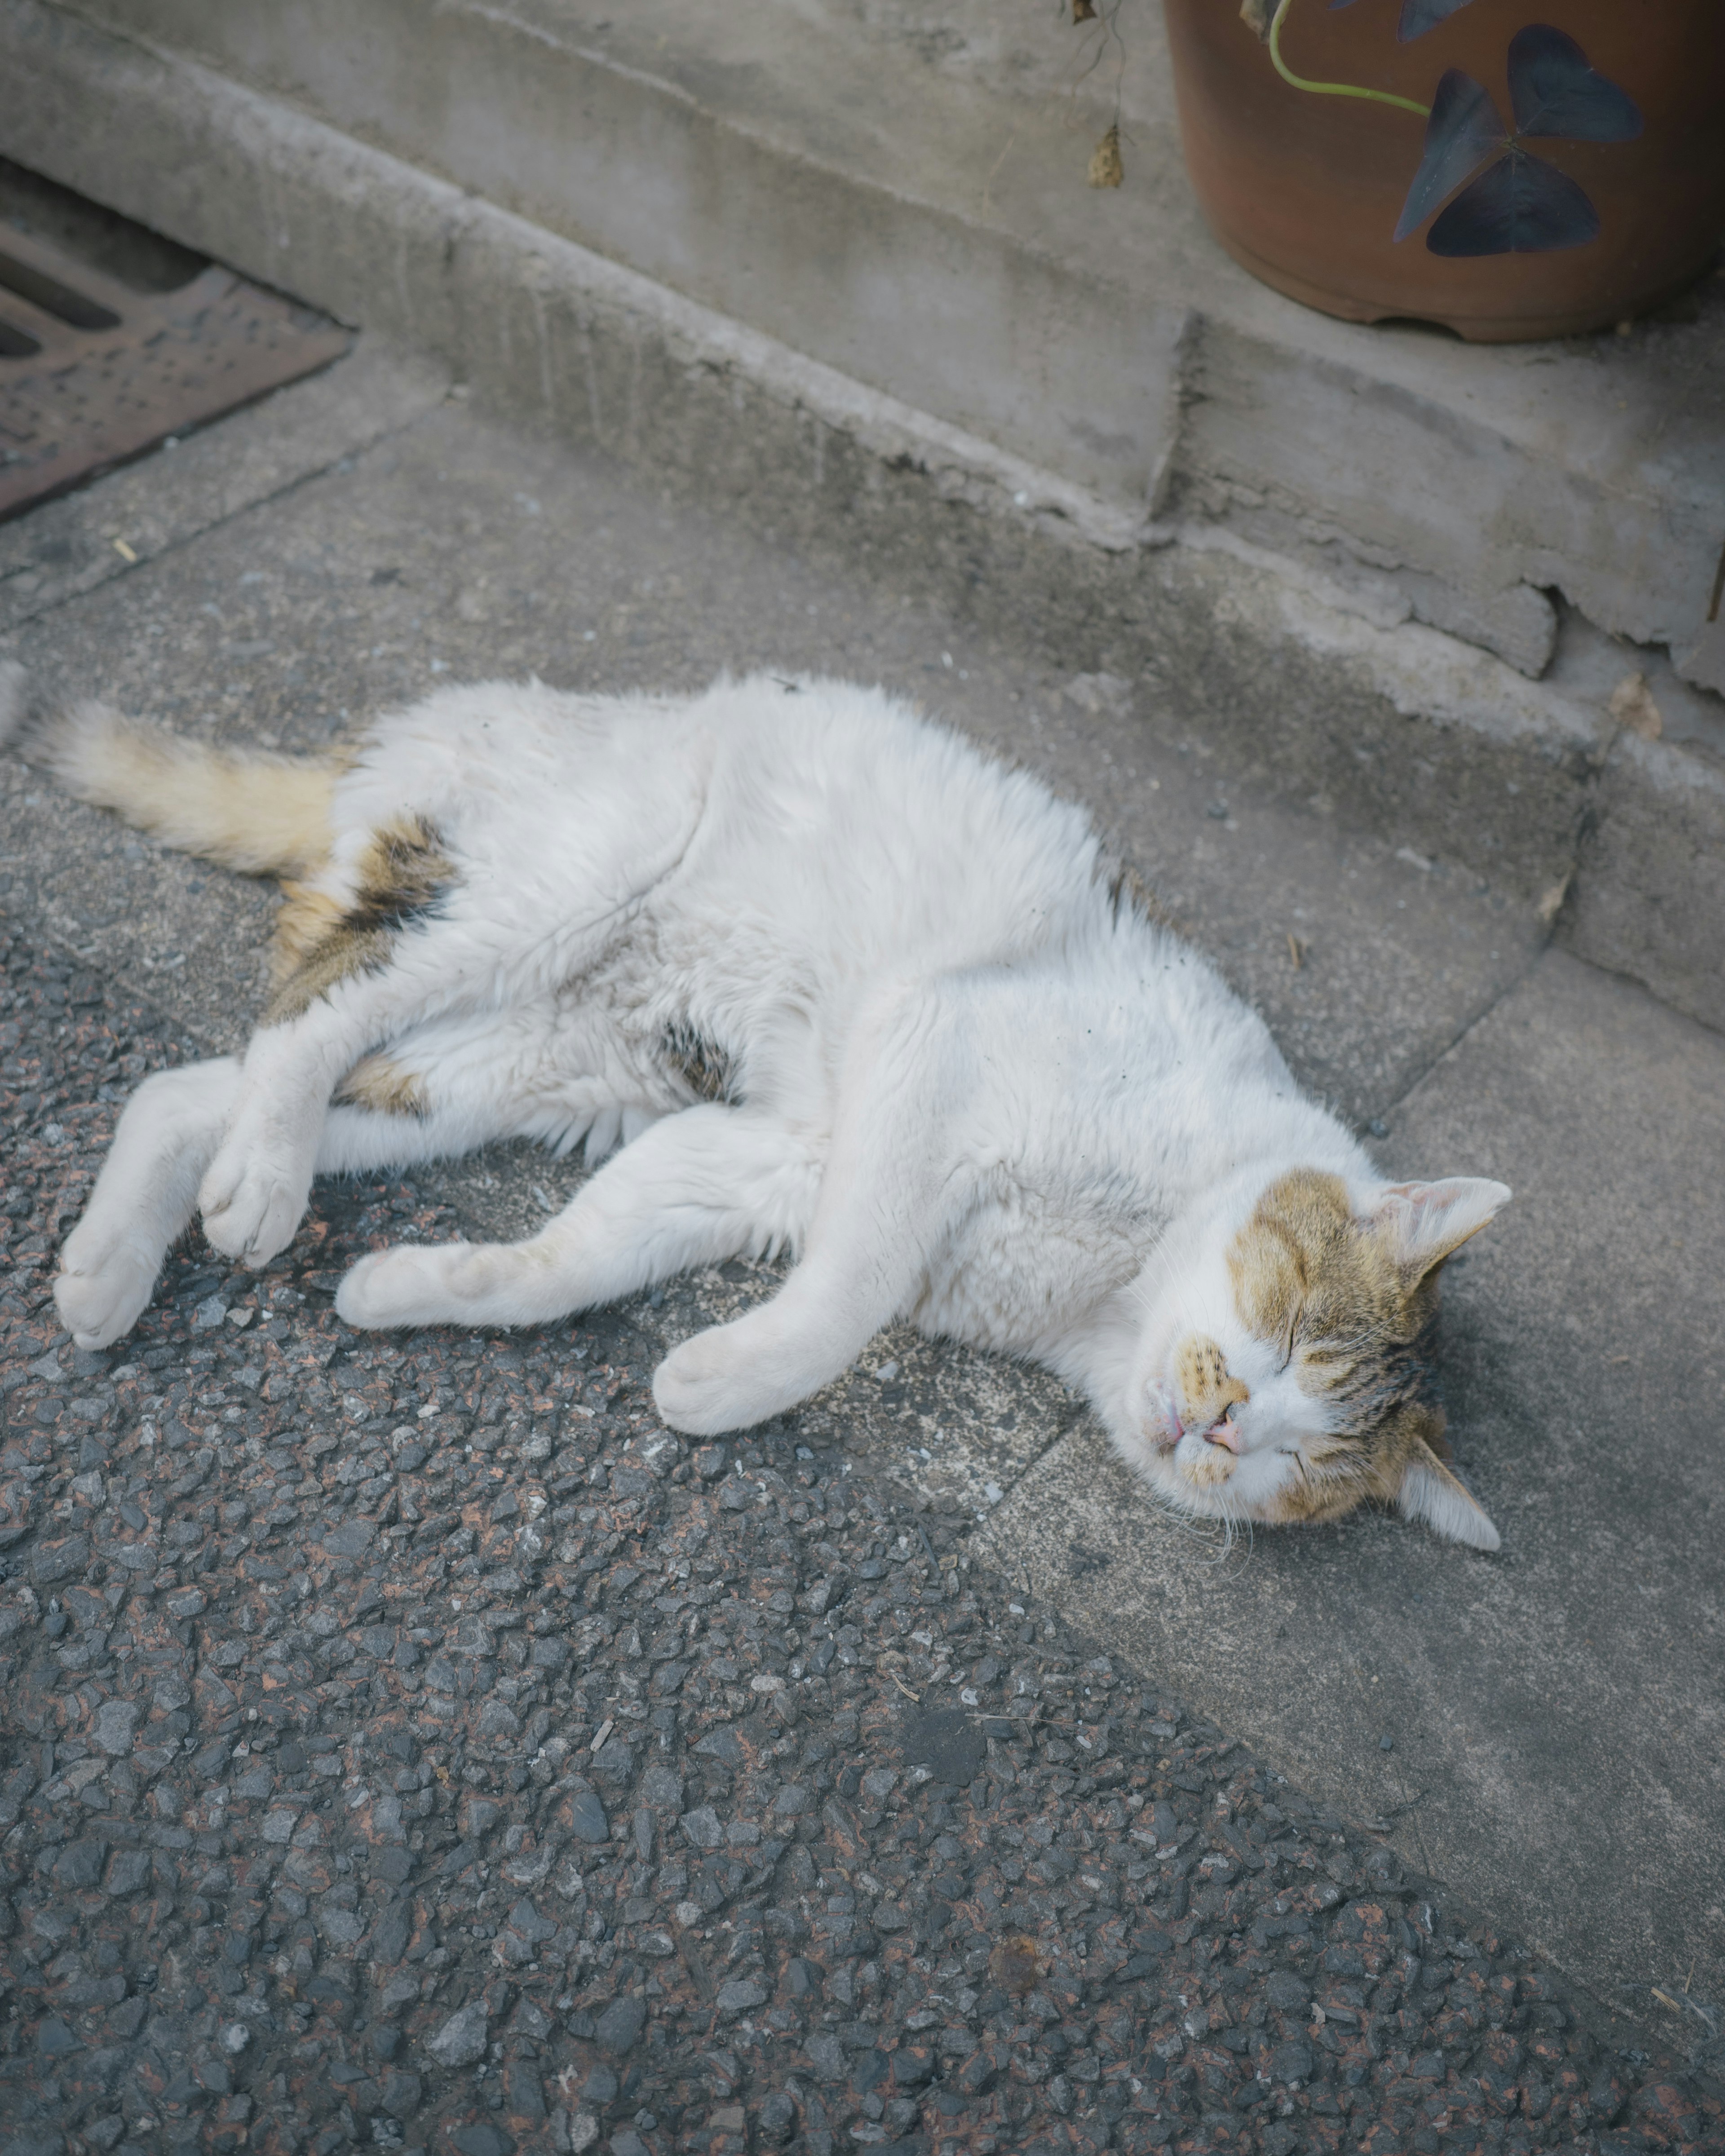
(1556, 1739)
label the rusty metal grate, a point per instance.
(93, 370)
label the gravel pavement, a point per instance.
(414, 1744)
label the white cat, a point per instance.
(844, 987)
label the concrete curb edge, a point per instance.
(1431, 740)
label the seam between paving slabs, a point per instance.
(170, 547)
(1587, 828)
(1471, 1024)
(1629, 980)
(1587, 825)
(1509, 987)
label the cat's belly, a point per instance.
(1022, 1274)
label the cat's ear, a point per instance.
(1424, 1222)
(1431, 1493)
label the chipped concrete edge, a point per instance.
(1649, 895)
(1423, 672)
(558, 336)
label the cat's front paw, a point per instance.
(103, 1287)
(710, 1384)
(403, 1286)
(448, 1284)
(251, 1207)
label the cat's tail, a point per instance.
(244, 808)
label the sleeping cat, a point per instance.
(840, 986)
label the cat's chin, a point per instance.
(1206, 1481)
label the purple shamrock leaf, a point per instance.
(1419, 16)
(1556, 93)
(1465, 128)
(1521, 205)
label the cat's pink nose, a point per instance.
(1225, 1435)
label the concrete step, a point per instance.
(1084, 428)
(911, 209)
(1516, 1725)
(359, 538)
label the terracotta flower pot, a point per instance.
(1565, 168)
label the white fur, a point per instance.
(970, 1087)
(14, 685)
(1446, 1506)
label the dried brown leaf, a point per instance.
(1105, 169)
(1017, 1966)
(1632, 705)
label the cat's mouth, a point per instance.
(1168, 1431)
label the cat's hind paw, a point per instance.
(407, 1285)
(103, 1288)
(711, 1384)
(449, 1284)
(251, 1208)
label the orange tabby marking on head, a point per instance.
(1328, 1291)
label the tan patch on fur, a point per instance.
(1308, 1278)
(320, 941)
(307, 917)
(380, 1084)
(1332, 1479)
(342, 951)
(1328, 1293)
(1128, 892)
(1204, 1382)
(243, 809)
(702, 1064)
(1340, 1474)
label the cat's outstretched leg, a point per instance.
(696, 1188)
(733, 1376)
(255, 1188)
(256, 1185)
(892, 1188)
(143, 1198)
(146, 1193)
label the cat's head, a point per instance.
(1283, 1371)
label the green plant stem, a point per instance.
(1331, 89)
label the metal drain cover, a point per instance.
(93, 371)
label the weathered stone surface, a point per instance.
(461, 2041)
